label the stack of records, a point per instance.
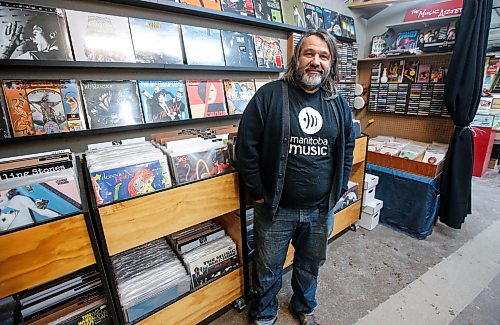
(196, 158)
(123, 171)
(211, 261)
(185, 240)
(67, 300)
(148, 276)
(37, 188)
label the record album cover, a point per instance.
(33, 33)
(124, 182)
(424, 73)
(407, 40)
(347, 25)
(101, 38)
(238, 49)
(203, 46)
(268, 52)
(156, 41)
(206, 98)
(331, 22)
(293, 13)
(410, 71)
(238, 94)
(197, 165)
(111, 103)
(4, 117)
(378, 45)
(268, 10)
(242, 7)
(21, 119)
(210, 4)
(313, 15)
(395, 71)
(163, 100)
(73, 105)
(38, 202)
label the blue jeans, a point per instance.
(308, 229)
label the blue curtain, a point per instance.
(462, 94)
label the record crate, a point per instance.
(126, 224)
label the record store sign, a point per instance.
(436, 10)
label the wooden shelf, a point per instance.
(422, 23)
(414, 57)
(140, 220)
(130, 65)
(202, 303)
(346, 217)
(359, 154)
(42, 253)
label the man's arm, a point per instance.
(349, 144)
(249, 145)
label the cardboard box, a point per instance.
(369, 221)
(406, 165)
(370, 181)
(373, 206)
(369, 195)
(493, 163)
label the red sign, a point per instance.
(435, 10)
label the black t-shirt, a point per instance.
(313, 131)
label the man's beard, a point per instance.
(312, 81)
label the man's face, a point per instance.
(314, 62)
(42, 44)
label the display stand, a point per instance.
(126, 224)
(44, 252)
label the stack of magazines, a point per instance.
(197, 158)
(134, 167)
(76, 298)
(148, 276)
(37, 188)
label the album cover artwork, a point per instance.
(156, 41)
(347, 26)
(424, 73)
(268, 52)
(198, 165)
(206, 98)
(407, 40)
(124, 182)
(430, 39)
(238, 94)
(410, 71)
(395, 71)
(210, 4)
(102, 38)
(203, 46)
(437, 75)
(378, 45)
(73, 105)
(163, 100)
(331, 22)
(111, 103)
(293, 13)
(242, 7)
(239, 50)
(313, 15)
(268, 10)
(32, 32)
(25, 205)
(4, 117)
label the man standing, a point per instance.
(294, 148)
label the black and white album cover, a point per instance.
(33, 33)
(203, 46)
(238, 49)
(100, 38)
(156, 41)
(111, 103)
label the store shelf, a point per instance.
(140, 220)
(422, 23)
(116, 130)
(186, 9)
(44, 252)
(131, 65)
(409, 56)
(202, 303)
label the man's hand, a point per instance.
(13, 32)
(259, 201)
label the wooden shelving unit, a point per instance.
(348, 216)
(127, 224)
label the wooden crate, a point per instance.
(406, 165)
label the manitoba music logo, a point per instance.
(311, 122)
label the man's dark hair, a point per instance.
(291, 74)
